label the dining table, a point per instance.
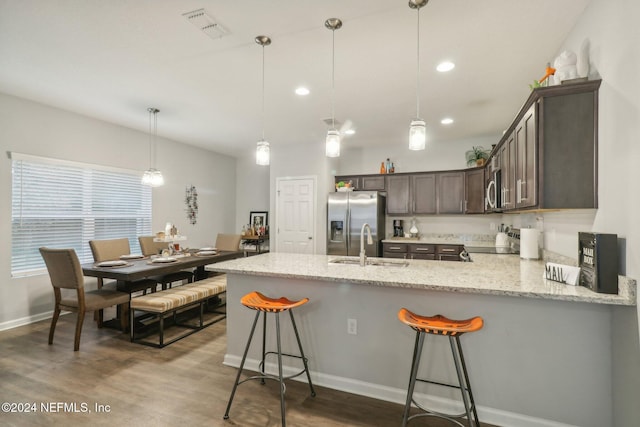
(132, 269)
(136, 268)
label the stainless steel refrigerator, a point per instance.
(346, 213)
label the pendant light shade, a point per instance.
(417, 134)
(418, 127)
(262, 153)
(262, 148)
(332, 143)
(152, 176)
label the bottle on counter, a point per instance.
(383, 169)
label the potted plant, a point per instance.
(477, 156)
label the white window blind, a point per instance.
(63, 204)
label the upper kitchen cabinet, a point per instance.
(364, 182)
(567, 137)
(425, 193)
(450, 192)
(548, 156)
(525, 162)
(398, 194)
(474, 183)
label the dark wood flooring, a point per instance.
(184, 384)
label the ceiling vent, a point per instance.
(205, 23)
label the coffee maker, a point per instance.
(397, 228)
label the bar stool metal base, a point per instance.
(463, 385)
(453, 329)
(263, 375)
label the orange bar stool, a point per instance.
(262, 304)
(440, 325)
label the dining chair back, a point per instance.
(108, 250)
(65, 272)
(149, 247)
(113, 249)
(228, 242)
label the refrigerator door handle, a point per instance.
(347, 221)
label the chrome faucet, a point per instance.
(363, 256)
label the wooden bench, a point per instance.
(171, 301)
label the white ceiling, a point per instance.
(113, 59)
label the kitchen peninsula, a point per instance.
(543, 358)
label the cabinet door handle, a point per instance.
(423, 250)
(448, 250)
(520, 184)
(394, 248)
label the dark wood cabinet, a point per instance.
(474, 185)
(426, 251)
(398, 187)
(567, 144)
(525, 163)
(394, 250)
(424, 194)
(548, 157)
(507, 170)
(449, 252)
(421, 251)
(450, 192)
(363, 182)
(372, 183)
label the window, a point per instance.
(64, 204)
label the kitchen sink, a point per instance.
(371, 261)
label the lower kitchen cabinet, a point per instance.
(426, 251)
(449, 252)
(394, 250)
(421, 251)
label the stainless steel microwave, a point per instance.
(494, 192)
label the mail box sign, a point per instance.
(598, 260)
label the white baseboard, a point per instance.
(26, 320)
(489, 415)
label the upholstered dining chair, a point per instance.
(228, 242)
(65, 272)
(113, 249)
(149, 247)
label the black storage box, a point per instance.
(598, 261)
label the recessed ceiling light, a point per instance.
(349, 131)
(446, 121)
(445, 66)
(302, 91)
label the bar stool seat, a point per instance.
(263, 304)
(441, 325)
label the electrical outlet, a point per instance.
(492, 226)
(352, 326)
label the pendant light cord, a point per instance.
(333, 79)
(418, 70)
(263, 122)
(151, 140)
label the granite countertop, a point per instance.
(488, 274)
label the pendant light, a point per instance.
(418, 127)
(262, 148)
(332, 148)
(152, 177)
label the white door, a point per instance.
(295, 215)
